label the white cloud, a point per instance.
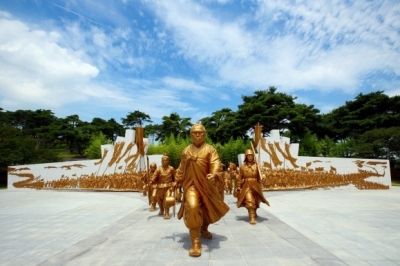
(302, 45)
(36, 71)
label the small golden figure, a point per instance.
(249, 186)
(233, 172)
(228, 182)
(201, 203)
(151, 189)
(220, 181)
(164, 177)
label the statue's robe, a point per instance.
(195, 164)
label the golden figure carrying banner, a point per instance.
(164, 177)
(201, 204)
(146, 179)
(249, 186)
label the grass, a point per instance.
(63, 153)
(396, 183)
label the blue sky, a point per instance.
(108, 58)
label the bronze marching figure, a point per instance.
(249, 186)
(152, 189)
(233, 173)
(164, 179)
(220, 181)
(146, 179)
(201, 203)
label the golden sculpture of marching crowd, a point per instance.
(200, 183)
(278, 179)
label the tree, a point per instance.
(135, 118)
(39, 124)
(175, 125)
(270, 109)
(383, 143)
(151, 131)
(75, 133)
(309, 145)
(304, 119)
(366, 112)
(222, 126)
(111, 129)
(17, 148)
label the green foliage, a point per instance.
(110, 128)
(175, 125)
(366, 127)
(328, 147)
(136, 118)
(75, 133)
(171, 147)
(397, 165)
(222, 126)
(16, 148)
(174, 147)
(93, 151)
(230, 151)
(366, 112)
(381, 143)
(309, 145)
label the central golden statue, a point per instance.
(202, 204)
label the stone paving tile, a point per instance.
(117, 229)
(382, 263)
(325, 262)
(227, 262)
(302, 262)
(288, 253)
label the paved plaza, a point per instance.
(302, 227)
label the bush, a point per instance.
(94, 149)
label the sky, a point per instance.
(105, 59)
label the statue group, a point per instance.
(202, 179)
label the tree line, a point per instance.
(366, 127)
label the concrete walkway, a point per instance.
(318, 227)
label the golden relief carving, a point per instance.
(102, 159)
(311, 175)
(128, 149)
(108, 182)
(307, 177)
(286, 154)
(278, 179)
(12, 169)
(274, 156)
(31, 182)
(117, 151)
(68, 167)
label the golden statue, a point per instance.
(201, 203)
(164, 178)
(249, 191)
(178, 194)
(234, 172)
(150, 189)
(220, 181)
